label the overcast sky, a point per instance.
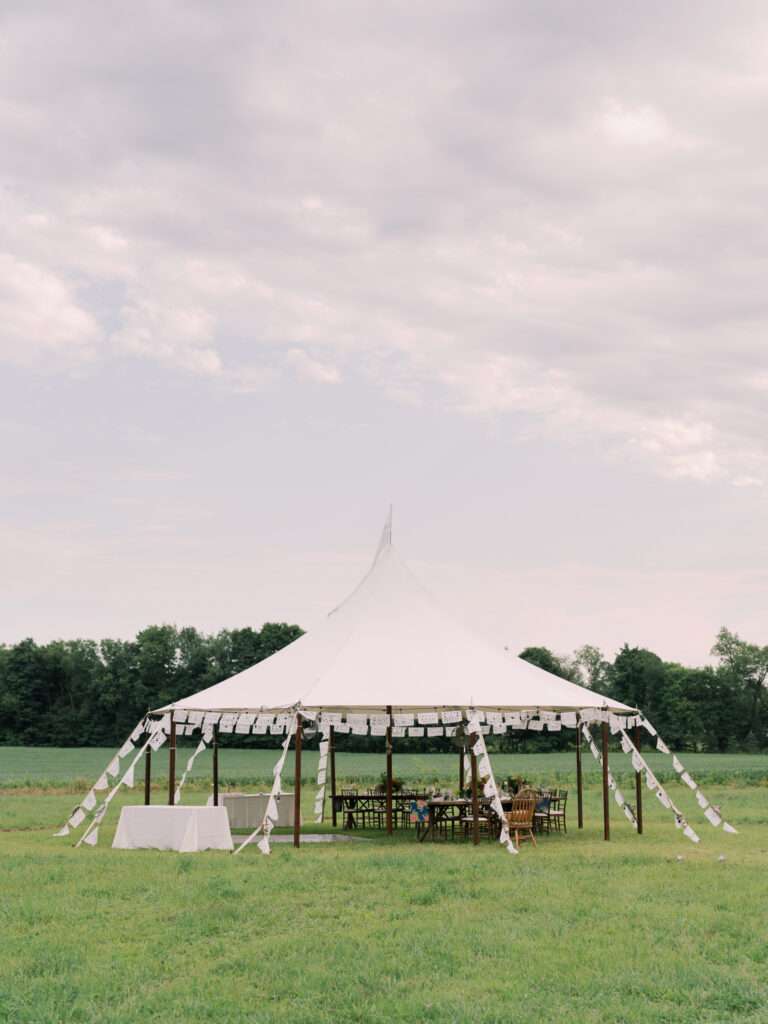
(266, 268)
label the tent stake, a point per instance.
(148, 776)
(475, 802)
(297, 787)
(579, 780)
(172, 765)
(606, 794)
(215, 766)
(638, 786)
(389, 770)
(332, 754)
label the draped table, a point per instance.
(186, 829)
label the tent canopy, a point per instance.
(390, 644)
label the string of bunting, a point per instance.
(322, 762)
(91, 835)
(711, 812)
(490, 790)
(201, 746)
(271, 813)
(639, 763)
(618, 796)
(90, 800)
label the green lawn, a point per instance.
(387, 930)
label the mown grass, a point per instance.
(389, 930)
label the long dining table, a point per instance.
(440, 812)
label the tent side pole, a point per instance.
(606, 793)
(148, 777)
(638, 786)
(215, 766)
(332, 756)
(579, 779)
(172, 765)
(297, 787)
(475, 801)
(389, 770)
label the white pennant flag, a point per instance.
(686, 778)
(90, 801)
(63, 831)
(688, 831)
(137, 732)
(101, 782)
(661, 745)
(676, 764)
(263, 845)
(92, 838)
(648, 727)
(712, 816)
(729, 828)
(637, 762)
(113, 767)
(321, 778)
(77, 818)
(126, 748)
(651, 781)
(128, 778)
(568, 718)
(701, 800)
(619, 797)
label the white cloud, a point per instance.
(40, 316)
(313, 369)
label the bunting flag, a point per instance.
(618, 796)
(322, 762)
(201, 746)
(270, 815)
(88, 803)
(91, 834)
(715, 819)
(641, 765)
(490, 789)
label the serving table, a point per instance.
(186, 829)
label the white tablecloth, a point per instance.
(186, 829)
(246, 810)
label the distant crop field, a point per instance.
(54, 767)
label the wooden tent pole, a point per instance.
(639, 787)
(332, 757)
(148, 776)
(579, 779)
(389, 769)
(297, 786)
(215, 766)
(606, 791)
(475, 801)
(172, 764)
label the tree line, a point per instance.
(92, 693)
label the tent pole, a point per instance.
(148, 776)
(297, 787)
(332, 756)
(475, 802)
(172, 765)
(606, 794)
(579, 780)
(638, 786)
(215, 766)
(389, 770)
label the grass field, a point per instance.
(387, 930)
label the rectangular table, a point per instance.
(247, 810)
(186, 829)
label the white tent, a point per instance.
(389, 644)
(389, 653)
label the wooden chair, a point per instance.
(520, 819)
(557, 811)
